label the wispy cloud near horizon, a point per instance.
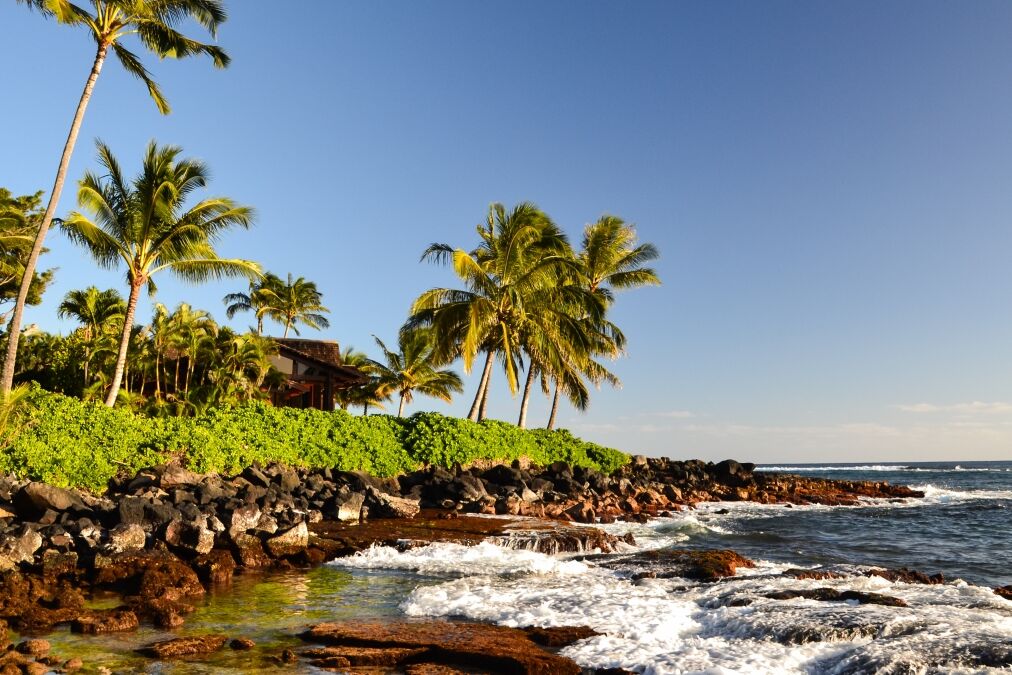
(970, 408)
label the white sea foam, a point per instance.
(661, 626)
(881, 467)
(457, 559)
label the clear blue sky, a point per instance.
(828, 183)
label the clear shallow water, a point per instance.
(661, 626)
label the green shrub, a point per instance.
(69, 442)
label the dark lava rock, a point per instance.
(906, 576)
(242, 644)
(817, 574)
(1004, 591)
(834, 595)
(184, 646)
(482, 647)
(33, 500)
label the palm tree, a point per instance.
(154, 22)
(356, 359)
(95, 310)
(297, 301)
(19, 218)
(414, 368)
(520, 253)
(256, 300)
(143, 225)
(610, 260)
(242, 363)
(191, 332)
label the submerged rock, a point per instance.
(835, 595)
(480, 646)
(697, 565)
(184, 646)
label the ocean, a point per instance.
(659, 626)
(666, 626)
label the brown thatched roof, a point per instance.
(324, 353)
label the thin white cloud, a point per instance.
(672, 414)
(971, 408)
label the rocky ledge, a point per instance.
(161, 538)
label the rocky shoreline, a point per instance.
(161, 539)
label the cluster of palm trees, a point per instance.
(529, 301)
(534, 304)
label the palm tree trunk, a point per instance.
(158, 379)
(14, 328)
(288, 324)
(365, 410)
(400, 408)
(124, 343)
(555, 408)
(189, 372)
(483, 412)
(482, 385)
(522, 423)
(175, 379)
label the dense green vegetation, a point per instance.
(69, 442)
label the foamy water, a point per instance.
(661, 626)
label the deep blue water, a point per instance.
(962, 528)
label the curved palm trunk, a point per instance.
(522, 422)
(483, 413)
(158, 379)
(124, 343)
(14, 328)
(400, 408)
(555, 408)
(482, 386)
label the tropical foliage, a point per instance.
(414, 368)
(289, 303)
(70, 442)
(147, 225)
(19, 221)
(155, 23)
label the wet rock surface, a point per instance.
(835, 595)
(437, 643)
(695, 565)
(184, 646)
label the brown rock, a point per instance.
(215, 568)
(289, 542)
(34, 647)
(834, 595)
(1004, 591)
(434, 669)
(105, 621)
(813, 574)
(249, 551)
(562, 636)
(242, 644)
(184, 646)
(698, 565)
(70, 665)
(906, 576)
(494, 648)
(349, 657)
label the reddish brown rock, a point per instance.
(494, 648)
(906, 576)
(215, 568)
(184, 646)
(1004, 591)
(242, 644)
(356, 657)
(697, 565)
(105, 621)
(561, 636)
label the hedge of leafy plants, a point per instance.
(69, 442)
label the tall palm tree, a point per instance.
(256, 300)
(154, 22)
(95, 310)
(144, 225)
(610, 260)
(520, 253)
(414, 368)
(293, 302)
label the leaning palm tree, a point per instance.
(610, 259)
(144, 225)
(520, 255)
(95, 310)
(256, 300)
(414, 368)
(155, 23)
(293, 302)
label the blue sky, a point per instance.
(828, 184)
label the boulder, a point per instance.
(127, 537)
(349, 509)
(243, 519)
(383, 505)
(34, 499)
(289, 542)
(105, 621)
(175, 474)
(16, 549)
(191, 537)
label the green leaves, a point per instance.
(70, 442)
